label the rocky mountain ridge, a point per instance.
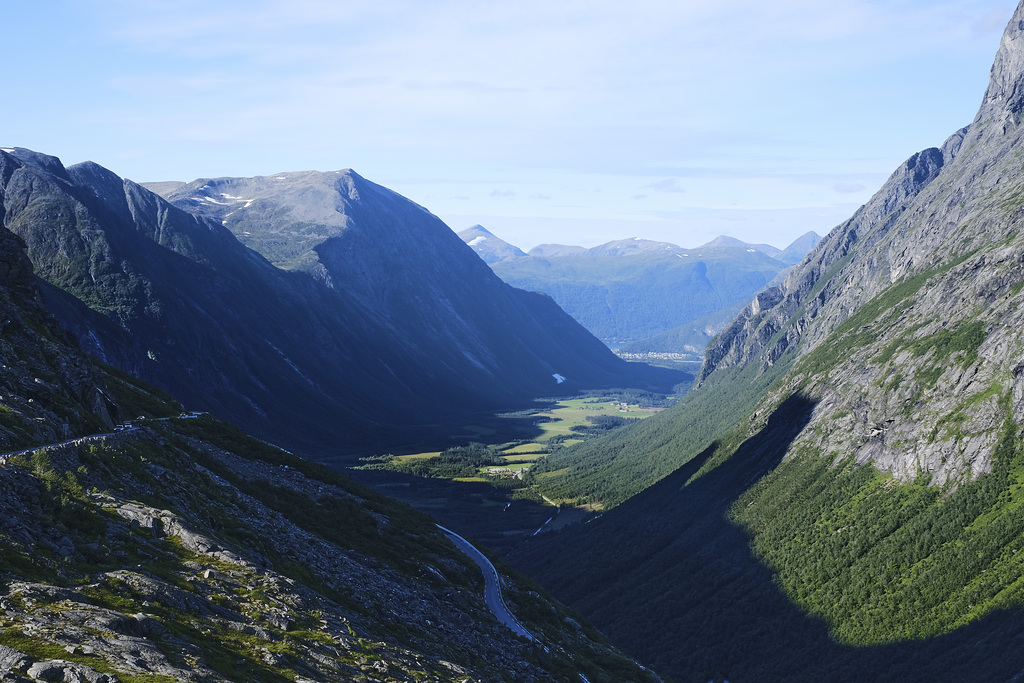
(870, 224)
(930, 268)
(394, 330)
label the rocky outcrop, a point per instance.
(263, 570)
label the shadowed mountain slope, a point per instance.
(49, 389)
(408, 267)
(379, 345)
(670, 576)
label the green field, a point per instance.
(573, 412)
(556, 425)
(417, 456)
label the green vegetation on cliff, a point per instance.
(882, 560)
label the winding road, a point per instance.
(492, 586)
(4, 457)
(121, 430)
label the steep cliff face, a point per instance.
(904, 321)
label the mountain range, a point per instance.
(642, 295)
(380, 327)
(840, 496)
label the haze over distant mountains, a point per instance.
(642, 295)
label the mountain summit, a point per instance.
(385, 327)
(488, 247)
(1003, 102)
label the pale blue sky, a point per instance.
(575, 122)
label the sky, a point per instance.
(569, 122)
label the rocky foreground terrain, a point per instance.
(183, 550)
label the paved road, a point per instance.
(492, 586)
(4, 457)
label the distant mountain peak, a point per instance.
(552, 250)
(726, 242)
(632, 246)
(489, 247)
(799, 248)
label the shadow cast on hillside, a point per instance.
(668, 577)
(481, 512)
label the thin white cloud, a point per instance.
(670, 185)
(849, 188)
